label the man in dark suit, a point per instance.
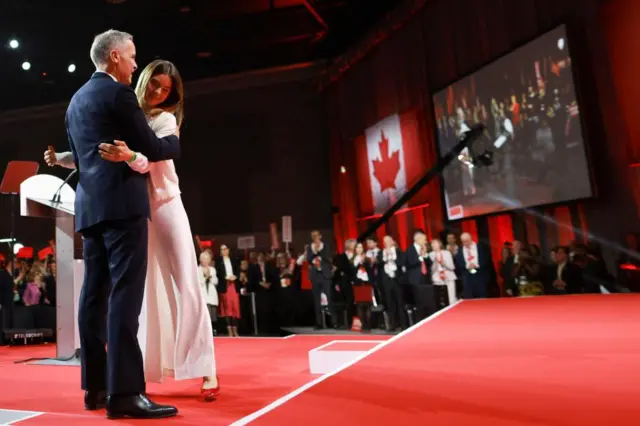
(473, 264)
(564, 277)
(264, 283)
(418, 263)
(320, 273)
(112, 209)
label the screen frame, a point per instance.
(584, 132)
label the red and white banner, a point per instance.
(389, 162)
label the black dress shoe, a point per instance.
(95, 400)
(137, 407)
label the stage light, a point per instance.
(14, 44)
(26, 66)
(17, 247)
(561, 43)
(71, 68)
(343, 169)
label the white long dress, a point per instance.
(175, 332)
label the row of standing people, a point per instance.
(271, 279)
(421, 270)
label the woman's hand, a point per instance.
(116, 152)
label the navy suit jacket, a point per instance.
(104, 110)
(485, 270)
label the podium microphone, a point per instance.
(57, 195)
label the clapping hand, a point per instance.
(559, 284)
(116, 152)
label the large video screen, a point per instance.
(528, 104)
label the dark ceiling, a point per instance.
(204, 38)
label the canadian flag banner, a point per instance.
(389, 161)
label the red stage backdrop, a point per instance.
(389, 161)
(409, 55)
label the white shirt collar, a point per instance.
(104, 72)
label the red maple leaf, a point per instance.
(386, 168)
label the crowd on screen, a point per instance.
(532, 118)
(366, 286)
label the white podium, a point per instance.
(36, 200)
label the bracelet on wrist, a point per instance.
(132, 159)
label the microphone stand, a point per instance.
(58, 195)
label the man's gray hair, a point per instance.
(104, 43)
(351, 241)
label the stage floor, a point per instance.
(565, 361)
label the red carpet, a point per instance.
(561, 361)
(253, 373)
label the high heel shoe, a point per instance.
(212, 393)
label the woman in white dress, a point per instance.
(443, 269)
(208, 278)
(175, 334)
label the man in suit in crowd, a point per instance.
(474, 266)
(320, 273)
(417, 265)
(112, 209)
(564, 277)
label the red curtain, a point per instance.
(428, 52)
(584, 229)
(337, 232)
(403, 230)
(500, 231)
(531, 225)
(564, 225)
(471, 227)
(419, 219)
(380, 233)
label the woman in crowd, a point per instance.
(33, 290)
(208, 281)
(229, 288)
(362, 277)
(288, 291)
(443, 269)
(391, 259)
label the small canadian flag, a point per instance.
(390, 160)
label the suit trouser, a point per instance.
(115, 256)
(424, 299)
(394, 302)
(318, 286)
(475, 287)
